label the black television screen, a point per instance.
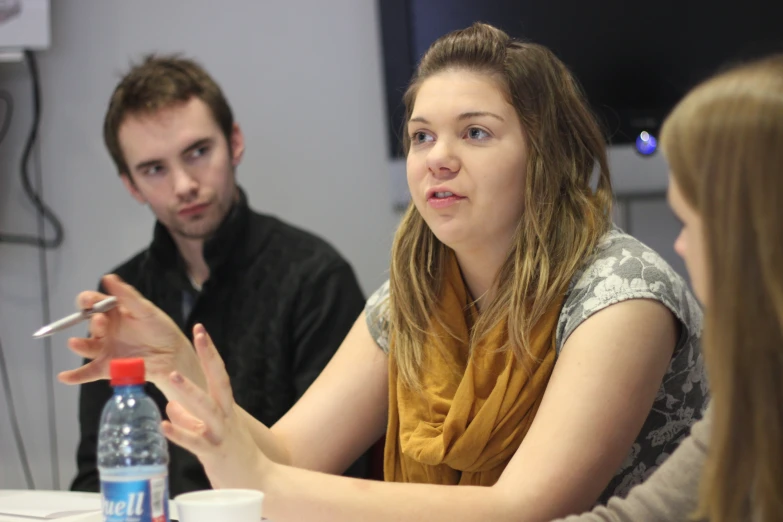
(633, 59)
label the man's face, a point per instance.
(181, 166)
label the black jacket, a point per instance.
(278, 303)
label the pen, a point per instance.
(68, 321)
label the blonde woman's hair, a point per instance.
(724, 145)
(564, 215)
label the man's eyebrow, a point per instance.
(144, 165)
(196, 144)
(189, 148)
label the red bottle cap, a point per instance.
(126, 372)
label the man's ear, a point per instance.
(237, 145)
(130, 186)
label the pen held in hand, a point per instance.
(73, 319)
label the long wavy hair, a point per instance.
(568, 197)
(724, 145)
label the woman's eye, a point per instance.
(476, 133)
(420, 137)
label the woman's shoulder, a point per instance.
(376, 311)
(623, 268)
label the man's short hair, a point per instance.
(157, 82)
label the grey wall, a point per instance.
(305, 81)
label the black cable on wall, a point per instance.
(42, 243)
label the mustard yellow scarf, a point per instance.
(463, 428)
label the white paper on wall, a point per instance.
(24, 24)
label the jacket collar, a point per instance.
(231, 246)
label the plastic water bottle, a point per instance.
(132, 451)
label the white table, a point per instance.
(77, 507)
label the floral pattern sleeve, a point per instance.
(624, 268)
(376, 311)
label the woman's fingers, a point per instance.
(92, 371)
(181, 417)
(190, 440)
(199, 405)
(88, 298)
(99, 326)
(128, 297)
(85, 347)
(214, 368)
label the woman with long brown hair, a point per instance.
(523, 349)
(724, 145)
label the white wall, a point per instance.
(305, 81)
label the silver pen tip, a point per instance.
(42, 332)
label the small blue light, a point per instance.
(646, 144)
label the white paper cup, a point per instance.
(212, 505)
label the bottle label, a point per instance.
(127, 497)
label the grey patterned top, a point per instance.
(624, 268)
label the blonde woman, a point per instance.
(523, 349)
(724, 144)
